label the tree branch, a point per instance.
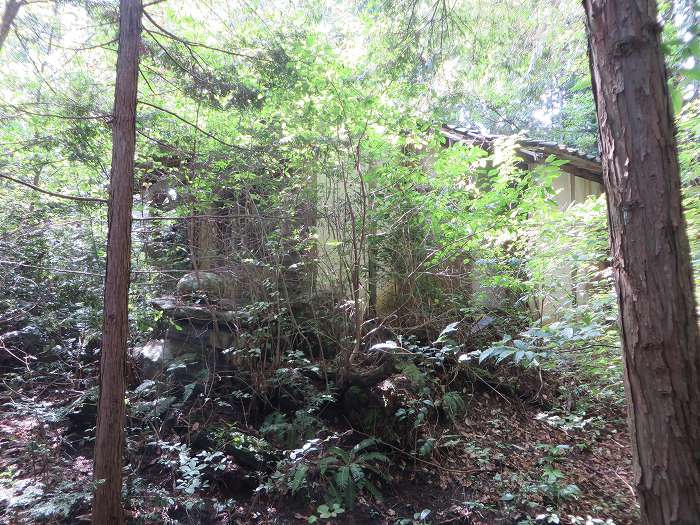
(189, 43)
(195, 126)
(94, 200)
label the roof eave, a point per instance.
(579, 164)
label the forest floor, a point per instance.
(515, 463)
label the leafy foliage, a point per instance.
(342, 474)
(292, 152)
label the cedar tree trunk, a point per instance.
(8, 17)
(109, 441)
(651, 257)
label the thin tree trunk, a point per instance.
(8, 17)
(651, 258)
(109, 441)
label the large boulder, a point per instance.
(152, 358)
(27, 339)
(178, 310)
(190, 338)
(209, 286)
(18, 346)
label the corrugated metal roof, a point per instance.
(579, 163)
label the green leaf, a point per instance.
(342, 477)
(371, 488)
(299, 478)
(344, 455)
(372, 456)
(485, 354)
(357, 472)
(581, 84)
(503, 354)
(449, 329)
(146, 385)
(692, 74)
(520, 344)
(364, 444)
(326, 462)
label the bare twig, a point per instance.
(195, 126)
(189, 43)
(92, 200)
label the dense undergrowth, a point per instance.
(497, 415)
(204, 451)
(379, 329)
(500, 416)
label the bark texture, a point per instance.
(8, 17)
(109, 441)
(651, 257)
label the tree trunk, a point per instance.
(109, 441)
(649, 244)
(8, 17)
